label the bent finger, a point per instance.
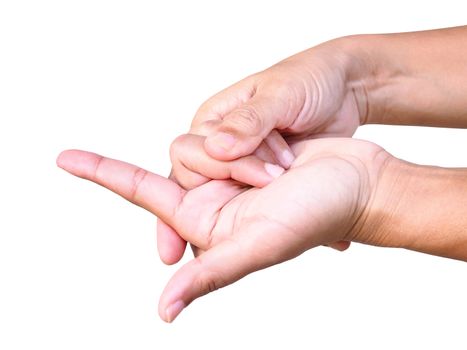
(193, 167)
(170, 245)
(222, 103)
(244, 128)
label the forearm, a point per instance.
(417, 78)
(420, 208)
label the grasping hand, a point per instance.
(192, 167)
(323, 198)
(329, 90)
(316, 93)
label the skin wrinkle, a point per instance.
(295, 105)
(362, 226)
(356, 63)
(360, 62)
(316, 99)
(138, 177)
(253, 89)
(306, 102)
(210, 231)
(299, 101)
(240, 213)
(201, 229)
(216, 231)
(220, 211)
(369, 202)
(247, 118)
(363, 116)
(176, 211)
(294, 98)
(297, 249)
(240, 99)
(187, 181)
(203, 283)
(336, 189)
(98, 164)
(358, 170)
(205, 279)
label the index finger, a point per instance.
(152, 192)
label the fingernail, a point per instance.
(223, 140)
(174, 310)
(274, 170)
(287, 158)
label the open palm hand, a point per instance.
(239, 229)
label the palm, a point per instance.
(244, 229)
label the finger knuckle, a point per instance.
(205, 112)
(208, 280)
(138, 178)
(176, 146)
(246, 118)
(206, 128)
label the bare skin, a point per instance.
(329, 90)
(417, 78)
(336, 189)
(240, 229)
(306, 95)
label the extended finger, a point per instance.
(150, 191)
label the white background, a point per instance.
(78, 265)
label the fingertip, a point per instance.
(340, 245)
(287, 158)
(173, 310)
(68, 159)
(170, 257)
(274, 170)
(280, 148)
(171, 301)
(162, 311)
(77, 162)
(169, 313)
(62, 158)
(170, 245)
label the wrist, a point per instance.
(420, 208)
(371, 77)
(381, 223)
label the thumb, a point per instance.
(243, 129)
(221, 265)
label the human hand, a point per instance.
(329, 90)
(323, 198)
(316, 93)
(192, 167)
